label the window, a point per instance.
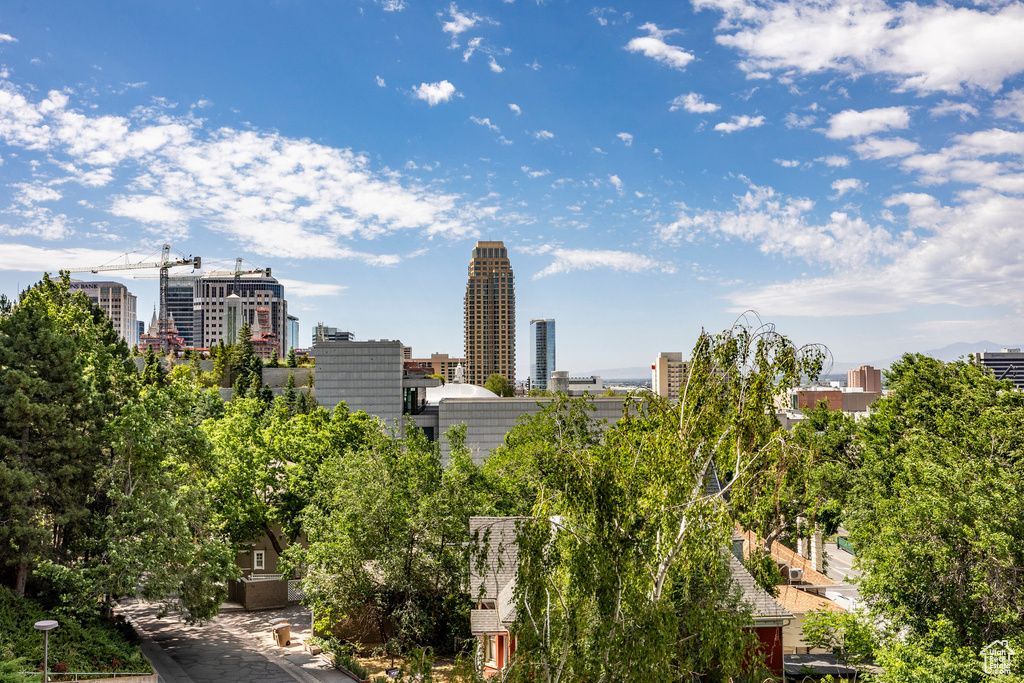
(258, 559)
(491, 650)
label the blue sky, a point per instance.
(854, 171)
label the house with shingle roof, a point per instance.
(492, 584)
(492, 590)
(802, 589)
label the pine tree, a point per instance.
(290, 395)
(292, 362)
(273, 362)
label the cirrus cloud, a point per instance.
(568, 260)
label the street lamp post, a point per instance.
(46, 627)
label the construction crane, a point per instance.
(165, 264)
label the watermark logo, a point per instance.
(998, 658)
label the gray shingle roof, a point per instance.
(502, 555)
(484, 621)
(765, 607)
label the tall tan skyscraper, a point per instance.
(490, 314)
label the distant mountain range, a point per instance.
(949, 352)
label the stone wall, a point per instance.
(262, 594)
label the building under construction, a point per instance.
(204, 314)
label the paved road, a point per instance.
(236, 646)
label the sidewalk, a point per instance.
(235, 646)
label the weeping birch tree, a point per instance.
(622, 557)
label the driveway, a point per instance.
(236, 646)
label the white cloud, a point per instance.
(653, 45)
(460, 22)
(834, 161)
(393, 5)
(535, 65)
(693, 103)
(495, 67)
(975, 159)
(22, 257)
(380, 82)
(1010, 106)
(543, 135)
(148, 209)
(784, 226)
(794, 120)
(30, 194)
(292, 198)
(927, 48)
(38, 221)
(534, 174)
(300, 288)
(568, 260)
(851, 123)
(787, 163)
(737, 123)
(843, 186)
(7, 38)
(967, 256)
(434, 93)
(627, 138)
(515, 109)
(473, 46)
(884, 148)
(961, 109)
(485, 122)
(616, 181)
(504, 140)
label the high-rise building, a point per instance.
(292, 342)
(865, 377)
(490, 314)
(1005, 364)
(668, 374)
(542, 352)
(200, 309)
(117, 303)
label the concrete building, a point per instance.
(200, 308)
(668, 374)
(440, 364)
(1005, 364)
(117, 303)
(542, 352)
(323, 333)
(490, 314)
(488, 420)
(370, 376)
(562, 383)
(865, 377)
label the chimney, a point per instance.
(737, 546)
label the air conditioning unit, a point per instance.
(796, 574)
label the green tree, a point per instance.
(500, 385)
(622, 569)
(292, 361)
(63, 374)
(291, 397)
(386, 529)
(273, 362)
(153, 372)
(937, 510)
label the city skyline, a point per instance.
(653, 169)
